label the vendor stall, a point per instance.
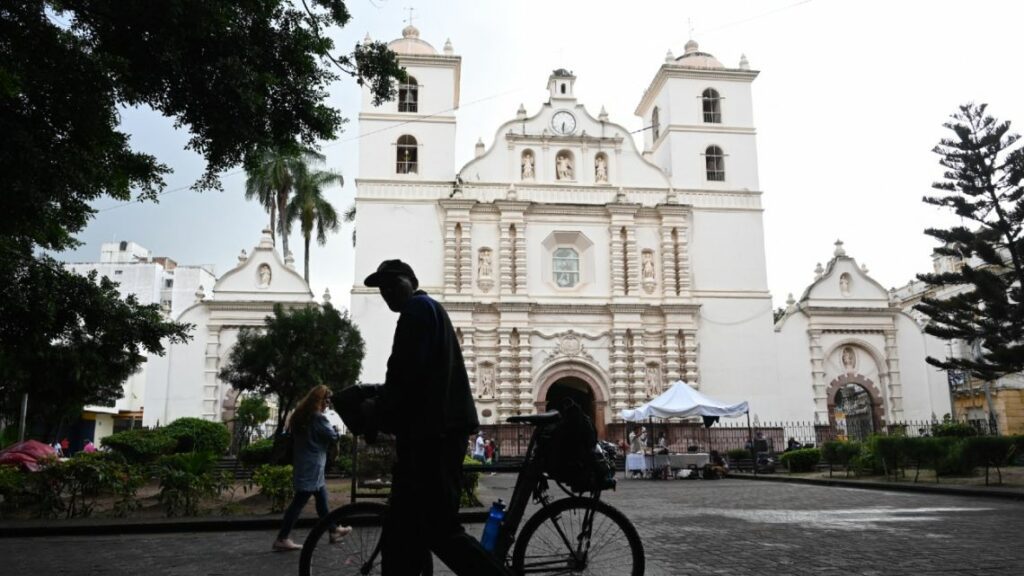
(679, 401)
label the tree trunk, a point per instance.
(273, 222)
(307, 258)
(282, 206)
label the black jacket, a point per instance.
(426, 392)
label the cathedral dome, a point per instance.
(694, 58)
(410, 44)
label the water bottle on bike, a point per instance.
(490, 538)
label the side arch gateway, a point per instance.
(582, 381)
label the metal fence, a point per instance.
(680, 437)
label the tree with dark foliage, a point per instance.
(296, 350)
(241, 76)
(982, 185)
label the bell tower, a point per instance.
(560, 86)
(413, 136)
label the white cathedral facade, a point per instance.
(574, 263)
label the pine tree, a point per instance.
(982, 185)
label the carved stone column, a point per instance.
(638, 393)
(633, 271)
(683, 250)
(506, 377)
(692, 376)
(520, 259)
(469, 356)
(450, 248)
(818, 376)
(668, 263)
(618, 266)
(466, 259)
(895, 388)
(524, 365)
(620, 388)
(672, 350)
(212, 394)
(506, 260)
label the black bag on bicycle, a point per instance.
(569, 452)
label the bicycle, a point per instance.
(579, 534)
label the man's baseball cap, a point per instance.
(389, 270)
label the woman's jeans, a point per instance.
(298, 503)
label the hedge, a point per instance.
(257, 453)
(140, 446)
(198, 435)
(803, 460)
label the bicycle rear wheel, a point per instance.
(356, 554)
(579, 536)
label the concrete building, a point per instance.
(152, 280)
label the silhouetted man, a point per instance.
(427, 404)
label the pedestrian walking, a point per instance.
(427, 404)
(312, 436)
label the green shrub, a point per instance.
(925, 452)
(71, 487)
(140, 446)
(889, 452)
(803, 460)
(186, 479)
(738, 454)
(470, 483)
(344, 459)
(274, 482)
(12, 488)
(840, 453)
(257, 453)
(955, 460)
(954, 430)
(990, 452)
(198, 435)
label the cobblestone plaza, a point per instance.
(737, 527)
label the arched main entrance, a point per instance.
(575, 389)
(854, 407)
(578, 382)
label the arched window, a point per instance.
(566, 267)
(408, 95)
(714, 159)
(655, 127)
(407, 152)
(712, 106)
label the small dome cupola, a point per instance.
(694, 58)
(410, 44)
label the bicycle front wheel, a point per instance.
(355, 554)
(579, 536)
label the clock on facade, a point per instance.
(563, 122)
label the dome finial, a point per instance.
(691, 47)
(818, 271)
(448, 50)
(327, 295)
(521, 113)
(744, 63)
(669, 56)
(839, 251)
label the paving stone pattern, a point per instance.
(735, 527)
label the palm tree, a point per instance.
(310, 208)
(349, 217)
(270, 179)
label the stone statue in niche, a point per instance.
(844, 284)
(652, 381)
(564, 167)
(647, 270)
(264, 275)
(486, 381)
(527, 166)
(601, 170)
(484, 263)
(849, 358)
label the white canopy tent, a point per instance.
(681, 401)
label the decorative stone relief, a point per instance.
(527, 166)
(849, 359)
(263, 276)
(647, 271)
(485, 269)
(652, 380)
(844, 284)
(485, 376)
(601, 169)
(563, 167)
(568, 345)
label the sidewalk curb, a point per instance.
(170, 526)
(1000, 493)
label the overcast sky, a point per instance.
(850, 101)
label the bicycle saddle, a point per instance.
(548, 417)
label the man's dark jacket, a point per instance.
(426, 393)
